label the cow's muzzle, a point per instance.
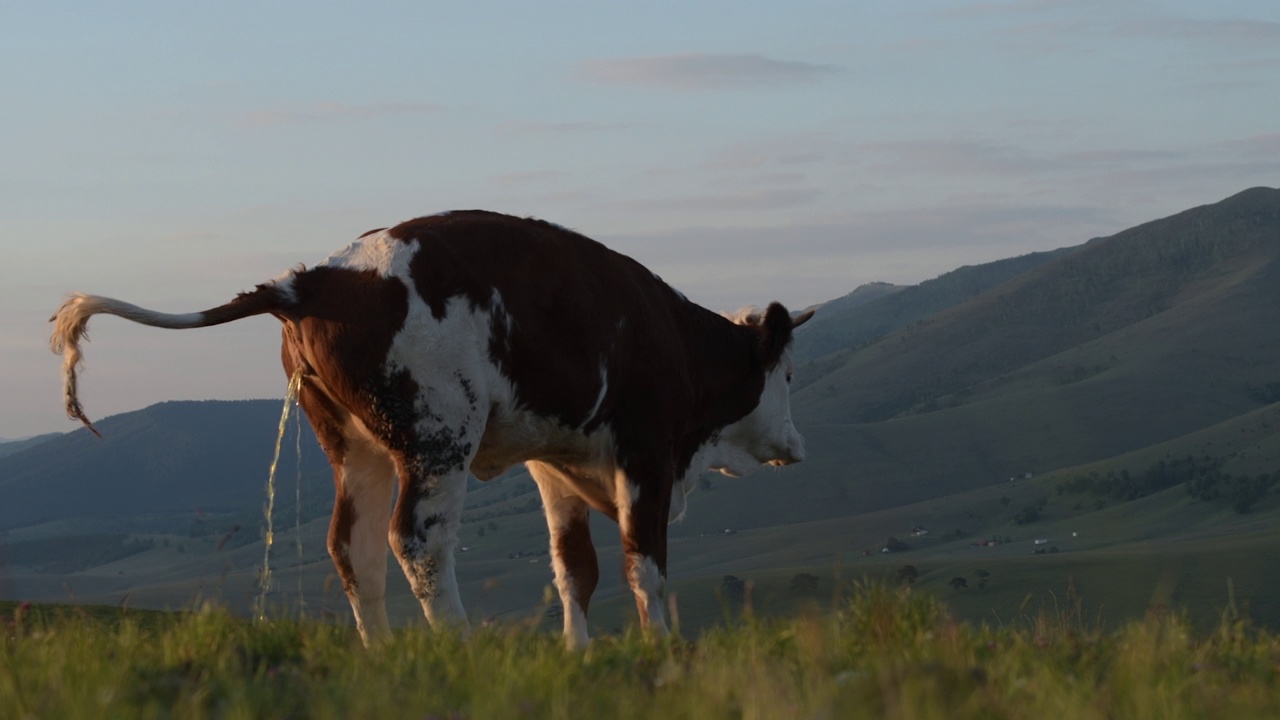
(793, 453)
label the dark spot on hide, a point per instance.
(429, 522)
(344, 517)
(443, 451)
(468, 390)
(397, 410)
(392, 399)
(422, 577)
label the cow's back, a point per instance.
(541, 334)
(565, 311)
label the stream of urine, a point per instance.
(264, 578)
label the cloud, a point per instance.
(745, 201)
(334, 111)
(1023, 6)
(1119, 158)
(691, 72)
(960, 156)
(530, 177)
(1218, 30)
(968, 157)
(534, 128)
(789, 151)
(1040, 27)
(908, 230)
(1250, 65)
(803, 263)
(1075, 17)
(1256, 146)
(759, 179)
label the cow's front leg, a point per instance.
(573, 555)
(643, 522)
(424, 535)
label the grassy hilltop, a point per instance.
(882, 653)
(959, 406)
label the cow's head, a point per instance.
(766, 434)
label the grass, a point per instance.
(883, 653)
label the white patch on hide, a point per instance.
(379, 252)
(367, 478)
(648, 585)
(284, 283)
(604, 388)
(766, 435)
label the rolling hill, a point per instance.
(920, 405)
(1128, 341)
(170, 458)
(9, 447)
(875, 310)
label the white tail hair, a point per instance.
(71, 324)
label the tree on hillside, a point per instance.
(958, 583)
(733, 587)
(1031, 513)
(1028, 514)
(908, 574)
(982, 578)
(804, 584)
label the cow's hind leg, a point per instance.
(363, 481)
(424, 529)
(573, 556)
(424, 535)
(358, 534)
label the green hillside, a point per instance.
(174, 457)
(878, 309)
(1133, 340)
(9, 447)
(993, 386)
(829, 329)
(1205, 266)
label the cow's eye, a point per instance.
(788, 378)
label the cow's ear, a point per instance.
(775, 333)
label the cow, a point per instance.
(471, 341)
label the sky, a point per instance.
(172, 154)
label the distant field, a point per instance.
(1167, 551)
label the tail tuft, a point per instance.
(70, 326)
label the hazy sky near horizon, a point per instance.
(173, 154)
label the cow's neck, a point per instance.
(727, 372)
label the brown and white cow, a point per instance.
(471, 341)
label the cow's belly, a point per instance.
(515, 436)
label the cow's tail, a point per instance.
(70, 325)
